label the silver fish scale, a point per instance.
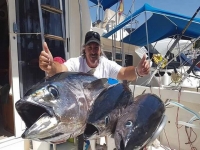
(67, 98)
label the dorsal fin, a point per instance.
(96, 83)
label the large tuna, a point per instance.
(57, 108)
(106, 110)
(140, 123)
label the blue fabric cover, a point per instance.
(160, 25)
(112, 81)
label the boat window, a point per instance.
(118, 57)
(30, 43)
(108, 55)
(128, 58)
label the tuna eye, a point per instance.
(129, 124)
(107, 119)
(53, 91)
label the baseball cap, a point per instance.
(92, 36)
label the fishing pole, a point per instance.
(185, 48)
(173, 45)
(180, 36)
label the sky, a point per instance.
(183, 7)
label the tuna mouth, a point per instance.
(120, 143)
(90, 131)
(31, 112)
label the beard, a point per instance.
(93, 60)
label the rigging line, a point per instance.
(41, 23)
(155, 44)
(99, 5)
(130, 10)
(167, 138)
(146, 26)
(159, 88)
(178, 128)
(189, 138)
(143, 83)
(171, 21)
(169, 43)
(189, 70)
(183, 64)
(81, 29)
(179, 95)
(176, 41)
(179, 37)
(117, 6)
(193, 65)
(158, 67)
(185, 48)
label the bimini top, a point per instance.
(105, 3)
(160, 25)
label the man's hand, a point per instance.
(46, 59)
(143, 67)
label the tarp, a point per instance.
(160, 25)
(105, 3)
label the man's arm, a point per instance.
(131, 73)
(47, 64)
(56, 68)
(127, 73)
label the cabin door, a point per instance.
(26, 46)
(6, 103)
(14, 67)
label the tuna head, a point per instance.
(106, 110)
(138, 122)
(56, 108)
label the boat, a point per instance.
(21, 41)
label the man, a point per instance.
(92, 60)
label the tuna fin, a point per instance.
(97, 83)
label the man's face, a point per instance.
(92, 53)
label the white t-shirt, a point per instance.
(105, 69)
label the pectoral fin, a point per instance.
(99, 83)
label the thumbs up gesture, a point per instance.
(45, 59)
(143, 66)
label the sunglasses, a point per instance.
(91, 34)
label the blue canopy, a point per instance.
(160, 25)
(105, 3)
